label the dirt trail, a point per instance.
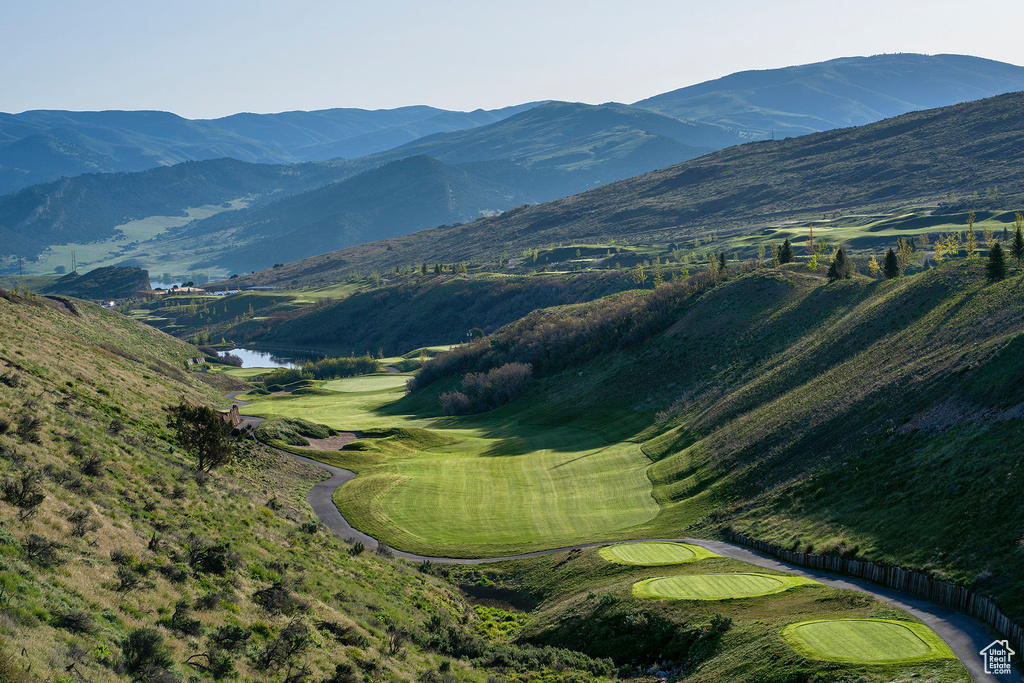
(964, 636)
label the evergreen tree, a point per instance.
(996, 265)
(891, 269)
(721, 262)
(840, 267)
(1017, 248)
(786, 252)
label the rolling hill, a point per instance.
(90, 207)
(844, 92)
(928, 156)
(388, 201)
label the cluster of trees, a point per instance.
(327, 368)
(482, 391)
(897, 260)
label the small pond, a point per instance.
(263, 359)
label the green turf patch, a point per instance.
(865, 641)
(654, 554)
(717, 586)
(366, 383)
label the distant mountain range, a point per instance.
(921, 156)
(40, 146)
(850, 91)
(484, 161)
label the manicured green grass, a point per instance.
(240, 373)
(865, 641)
(366, 383)
(654, 554)
(503, 487)
(717, 586)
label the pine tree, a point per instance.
(891, 268)
(721, 262)
(786, 252)
(840, 267)
(1017, 248)
(996, 265)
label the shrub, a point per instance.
(76, 621)
(482, 391)
(91, 466)
(28, 428)
(210, 558)
(143, 651)
(230, 638)
(41, 551)
(183, 622)
(25, 491)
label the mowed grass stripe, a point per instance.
(865, 641)
(544, 498)
(654, 554)
(717, 586)
(501, 489)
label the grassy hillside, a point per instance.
(433, 310)
(949, 159)
(850, 91)
(119, 562)
(868, 417)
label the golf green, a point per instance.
(865, 641)
(653, 554)
(366, 383)
(716, 586)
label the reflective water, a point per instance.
(262, 359)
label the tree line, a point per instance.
(327, 368)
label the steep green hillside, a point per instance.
(850, 91)
(869, 417)
(120, 562)
(434, 310)
(930, 157)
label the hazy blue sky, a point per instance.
(207, 58)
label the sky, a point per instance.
(211, 58)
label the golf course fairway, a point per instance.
(653, 554)
(469, 487)
(865, 641)
(716, 586)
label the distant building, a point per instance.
(150, 293)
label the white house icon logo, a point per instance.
(997, 657)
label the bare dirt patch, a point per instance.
(331, 443)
